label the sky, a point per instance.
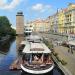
(32, 9)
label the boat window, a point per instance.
(46, 55)
(26, 57)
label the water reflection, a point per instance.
(6, 58)
(24, 73)
(5, 46)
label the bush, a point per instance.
(58, 59)
(63, 62)
(49, 45)
(55, 54)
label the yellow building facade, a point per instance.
(70, 19)
(51, 20)
(61, 22)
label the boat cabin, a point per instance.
(36, 55)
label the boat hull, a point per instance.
(36, 71)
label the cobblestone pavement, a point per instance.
(63, 52)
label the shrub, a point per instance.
(55, 54)
(63, 62)
(58, 59)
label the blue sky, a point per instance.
(32, 9)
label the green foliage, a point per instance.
(60, 60)
(50, 46)
(13, 32)
(5, 27)
(55, 54)
(63, 62)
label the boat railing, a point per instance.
(38, 67)
(38, 64)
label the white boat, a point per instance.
(34, 38)
(36, 58)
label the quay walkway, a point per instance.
(63, 69)
(63, 54)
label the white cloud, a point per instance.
(5, 5)
(37, 7)
(40, 7)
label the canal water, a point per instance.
(9, 52)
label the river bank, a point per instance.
(6, 38)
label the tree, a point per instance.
(5, 26)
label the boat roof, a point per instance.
(36, 48)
